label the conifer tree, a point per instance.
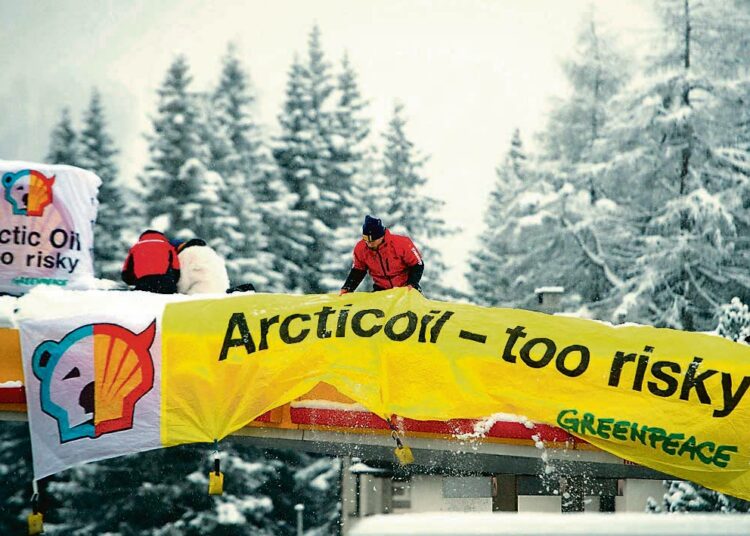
(175, 140)
(113, 221)
(550, 218)
(293, 155)
(304, 154)
(491, 268)
(683, 496)
(410, 209)
(349, 130)
(673, 255)
(734, 322)
(252, 191)
(63, 145)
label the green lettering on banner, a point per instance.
(671, 443)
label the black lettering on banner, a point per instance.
(731, 399)
(411, 326)
(423, 325)
(7, 258)
(515, 333)
(696, 382)
(583, 364)
(439, 323)
(284, 329)
(670, 382)
(58, 238)
(616, 370)
(549, 352)
(323, 315)
(470, 336)
(640, 370)
(237, 321)
(357, 322)
(341, 324)
(266, 323)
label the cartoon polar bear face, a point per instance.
(66, 372)
(91, 379)
(17, 191)
(28, 191)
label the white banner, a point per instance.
(46, 225)
(92, 368)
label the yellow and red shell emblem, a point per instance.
(91, 380)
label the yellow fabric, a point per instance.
(657, 411)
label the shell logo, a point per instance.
(92, 378)
(28, 191)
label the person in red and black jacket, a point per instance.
(152, 264)
(392, 260)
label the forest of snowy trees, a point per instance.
(635, 199)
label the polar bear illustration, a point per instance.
(28, 191)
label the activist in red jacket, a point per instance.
(392, 260)
(152, 264)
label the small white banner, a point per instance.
(47, 214)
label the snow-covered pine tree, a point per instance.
(202, 211)
(293, 155)
(63, 143)
(174, 141)
(238, 155)
(491, 265)
(113, 231)
(734, 322)
(15, 466)
(547, 222)
(303, 152)
(683, 496)
(349, 130)
(675, 252)
(410, 210)
(595, 72)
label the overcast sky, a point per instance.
(467, 71)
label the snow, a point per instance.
(326, 404)
(11, 384)
(482, 427)
(537, 524)
(362, 468)
(45, 302)
(7, 308)
(229, 514)
(549, 290)
(606, 205)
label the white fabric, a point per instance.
(202, 271)
(67, 323)
(47, 214)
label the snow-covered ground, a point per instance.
(538, 524)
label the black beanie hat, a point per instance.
(373, 228)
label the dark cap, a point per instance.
(373, 228)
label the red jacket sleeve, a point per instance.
(410, 253)
(358, 263)
(128, 275)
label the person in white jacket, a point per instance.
(203, 271)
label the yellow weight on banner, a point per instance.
(669, 400)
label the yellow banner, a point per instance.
(669, 400)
